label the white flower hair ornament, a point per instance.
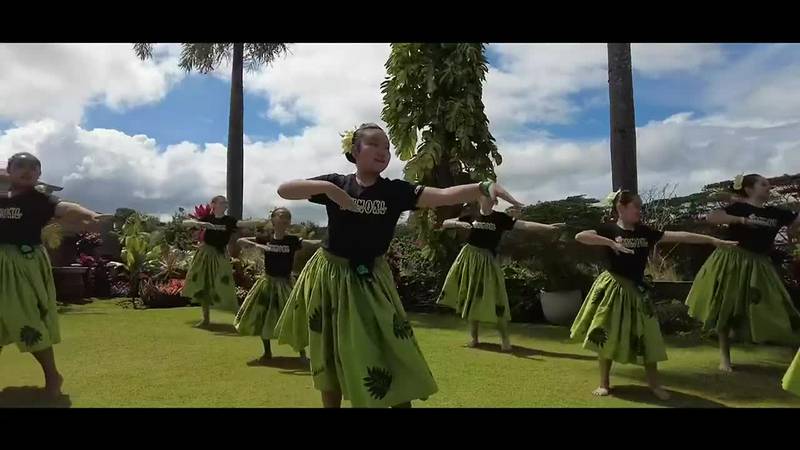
(737, 182)
(609, 200)
(347, 144)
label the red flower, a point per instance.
(172, 287)
(201, 212)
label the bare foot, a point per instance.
(472, 344)
(201, 324)
(660, 393)
(53, 387)
(725, 367)
(601, 391)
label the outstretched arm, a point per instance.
(192, 223)
(455, 195)
(455, 223)
(68, 212)
(590, 237)
(694, 238)
(250, 242)
(537, 227)
(720, 217)
(305, 189)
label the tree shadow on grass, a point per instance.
(31, 397)
(72, 311)
(642, 394)
(453, 322)
(291, 365)
(532, 354)
(220, 329)
(748, 383)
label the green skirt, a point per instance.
(28, 310)
(262, 307)
(619, 323)
(791, 381)
(741, 290)
(360, 340)
(476, 287)
(210, 280)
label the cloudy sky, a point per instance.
(119, 132)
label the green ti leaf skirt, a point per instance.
(791, 381)
(28, 310)
(262, 307)
(360, 340)
(210, 280)
(476, 287)
(739, 290)
(618, 323)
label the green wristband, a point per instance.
(485, 187)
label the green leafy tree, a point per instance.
(205, 58)
(434, 109)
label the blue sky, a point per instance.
(106, 122)
(196, 110)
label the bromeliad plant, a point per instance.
(202, 212)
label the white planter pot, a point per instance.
(561, 308)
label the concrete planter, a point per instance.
(69, 283)
(561, 308)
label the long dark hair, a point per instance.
(279, 210)
(623, 197)
(748, 181)
(357, 136)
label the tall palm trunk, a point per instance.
(235, 179)
(623, 123)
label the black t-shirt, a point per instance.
(23, 216)
(279, 254)
(487, 230)
(766, 222)
(219, 239)
(641, 240)
(364, 235)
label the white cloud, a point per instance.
(656, 60)
(334, 87)
(107, 169)
(60, 80)
(328, 84)
(533, 83)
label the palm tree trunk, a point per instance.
(623, 122)
(235, 177)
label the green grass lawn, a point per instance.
(117, 357)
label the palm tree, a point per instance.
(623, 122)
(204, 58)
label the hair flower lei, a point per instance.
(347, 141)
(609, 200)
(737, 182)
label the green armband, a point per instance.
(485, 187)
